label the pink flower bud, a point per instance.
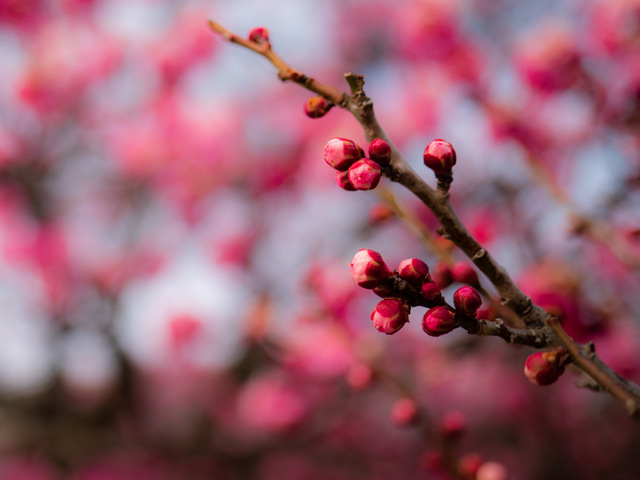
(316, 107)
(442, 275)
(492, 471)
(340, 153)
(464, 273)
(259, 35)
(359, 376)
(438, 321)
(414, 271)
(368, 269)
(431, 292)
(439, 156)
(453, 425)
(469, 465)
(544, 368)
(404, 412)
(380, 212)
(342, 179)
(364, 174)
(380, 152)
(389, 316)
(467, 301)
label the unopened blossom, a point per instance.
(414, 271)
(341, 153)
(467, 301)
(438, 321)
(389, 316)
(364, 174)
(439, 156)
(368, 269)
(544, 368)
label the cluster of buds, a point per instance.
(355, 171)
(544, 368)
(410, 285)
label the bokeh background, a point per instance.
(175, 298)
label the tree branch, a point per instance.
(541, 330)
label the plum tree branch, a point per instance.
(540, 329)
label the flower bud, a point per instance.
(467, 301)
(404, 412)
(439, 156)
(431, 292)
(364, 174)
(389, 316)
(453, 425)
(340, 153)
(438, 321)
(380, 212)
(414, 271)
(368, 269)
(359, 376)
(464, 273)
(342, 179)
(259, 35)
(442, 275)
(492, 471)
(544, 368)
(316, 107)
(469, 465)
(380, 152)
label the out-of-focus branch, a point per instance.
(437, 200)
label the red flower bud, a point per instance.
(442, 275)
(544, 368)
(342, 179)
(469, 465)
(439, 156)
(431, 292)
(364, 174)
(380, 212)
(404, 412)
(340, 153)
(389, 316)
(380, 152)
(359, 376)
(467, 301)
(464, 273)
(453, 425)
(438, 321)
(368, 269)
(414, 271)
(316, 107)
(492, 471)
(259, 35)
